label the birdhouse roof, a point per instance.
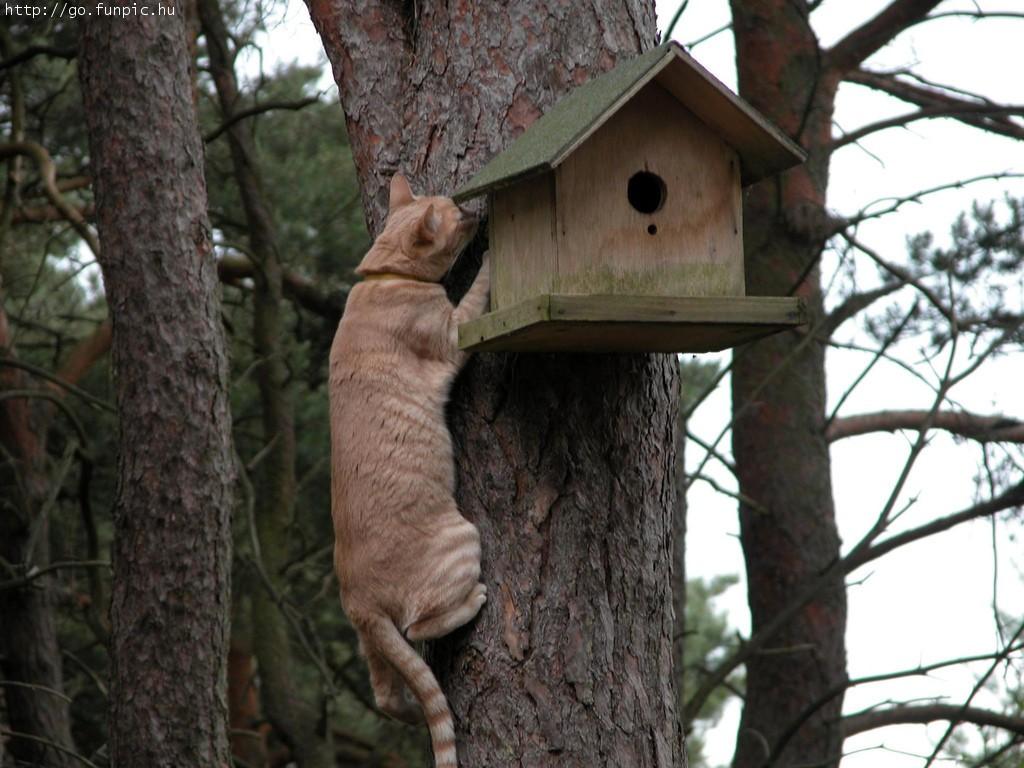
(763, 149)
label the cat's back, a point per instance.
(386, 341)
(387, 398)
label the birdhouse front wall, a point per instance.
(674, 230)
(522, 240)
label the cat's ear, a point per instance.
(428, 226)
(401, 193)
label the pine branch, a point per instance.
(978, 116)
(298, 288)
(1014, 497)
(85, 354)
(40, 214)
(903, 276)
(918, 671)
(974, 110)
(857, 303)
(976, 15)
(48, 171)
(876, 33)
(929, 713)
(11, 362)
(895, 203)
(978, 685)
(984, 429)
(36, 573)
(259, 109)
(864, 552)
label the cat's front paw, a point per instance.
(479, 595)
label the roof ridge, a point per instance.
(576, 116)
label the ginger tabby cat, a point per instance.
(407, 560)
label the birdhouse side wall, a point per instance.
(692, 245)
(522, 240)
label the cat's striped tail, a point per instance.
(390, 643)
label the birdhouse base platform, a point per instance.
(617, 323)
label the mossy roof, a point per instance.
(763, 149)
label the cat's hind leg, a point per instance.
(442, 624)
(390, 691)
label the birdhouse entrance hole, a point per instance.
(646, 192)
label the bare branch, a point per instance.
(880, 352)
(50, 743)
(954, 721)
(929, 713)
(857, 303)
(922, 669)
(1014, 497)
(707, 36)
(40, 214)
(895, 203)
(974, 110)
(84, 355)
(903, 275)
(966, 113)
(36, 573)
(984, 429)
(863, 551)
(723, 460)
(48, 171)
(258, 109)
(69, 367)
(752, 503)
(976, 15)
(298, 288)
(877, 32)
(879, 355)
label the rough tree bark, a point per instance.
(679, 511)
(296, 720)
(171, 551)
(565, 462)
(794, 537)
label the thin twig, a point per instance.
(50, 743)
(974, 692)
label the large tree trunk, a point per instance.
(564, 462)
(679, 511)
(778, 440)
(172, 542)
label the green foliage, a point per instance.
(988, 746)
(976, 277)
(709, 639)
(695, 377)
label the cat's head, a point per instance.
(422, 236)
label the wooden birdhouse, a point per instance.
(616, 218)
